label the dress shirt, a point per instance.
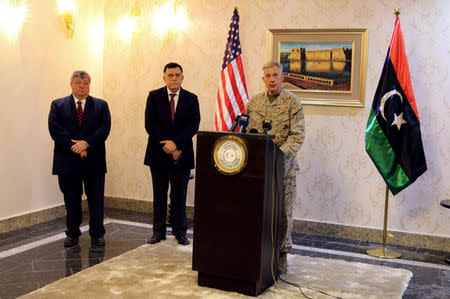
(83, 102)
(175, 98)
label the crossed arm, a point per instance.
(79, 147)
(171, 148)
(60, 134)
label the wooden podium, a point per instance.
(234, 214)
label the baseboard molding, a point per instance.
(137, 205)
(311, 227)
(371, 235)
(33, 218)
(301, 226)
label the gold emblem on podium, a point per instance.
(230, 154)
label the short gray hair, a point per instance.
(272, 64)
(80, 74)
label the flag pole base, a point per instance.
(384, 252)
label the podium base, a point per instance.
(383, 252)
(232, 285)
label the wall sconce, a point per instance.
(131, 24)
(67, 12)
(12, 16)
(170, 19)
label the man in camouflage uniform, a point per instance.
(285, 111)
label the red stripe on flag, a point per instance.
(222, 109)
(226, 99)
(399, 60)
(222, 121)
(235, 89)
(241, 73)
(240, 85)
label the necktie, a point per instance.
(79, 113)
(172, 105)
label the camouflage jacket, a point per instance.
(288, 124)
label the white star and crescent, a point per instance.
(398, 119)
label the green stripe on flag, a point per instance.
(383, 156)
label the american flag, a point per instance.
(232, 94)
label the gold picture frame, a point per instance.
(322, 66)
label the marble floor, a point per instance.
(33, 257)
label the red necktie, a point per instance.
(172, 105)
(79, 113)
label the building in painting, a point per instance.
(335, 54)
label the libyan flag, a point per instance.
(393, 139)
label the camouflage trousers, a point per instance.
(286, 219)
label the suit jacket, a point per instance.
(159, 126)
(95, 127)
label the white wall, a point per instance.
(35, 69)
(338, 183)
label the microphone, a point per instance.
(235, 123)
(267, 125)
(243, 122)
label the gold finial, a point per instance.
(235, 8)
(397, 12)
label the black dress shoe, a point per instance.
(156, 238)
(182, 240)
(97, 242)
(70, 241)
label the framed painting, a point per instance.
(322, 66)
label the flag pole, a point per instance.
(384, 252)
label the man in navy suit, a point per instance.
(172, 118)
(79, 124)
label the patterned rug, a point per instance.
(164, 271)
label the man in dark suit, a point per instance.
(172, 118)
(79, 124)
